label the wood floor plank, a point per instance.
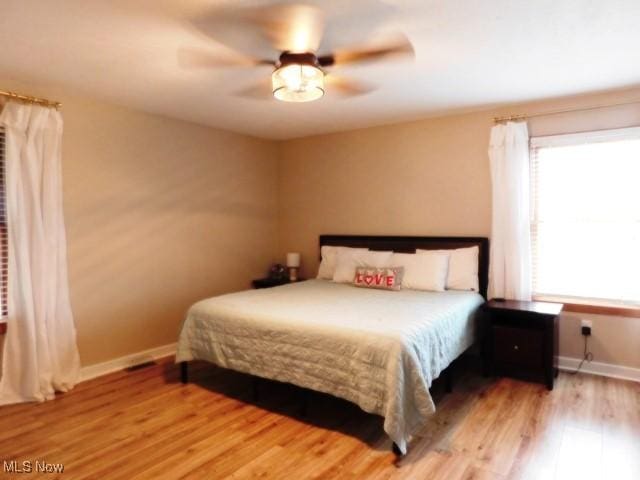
(145, 424)
(542, 436)
(503, 440)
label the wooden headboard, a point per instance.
(410, 244)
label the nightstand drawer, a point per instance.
(518, 346)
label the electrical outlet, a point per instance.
(585, 327)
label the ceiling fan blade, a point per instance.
(345, 87)
(264, 31)
(291, 27)
(353, 22)
(400, 46)
(200, 58)
(261, 90)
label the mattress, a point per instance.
(378, 349)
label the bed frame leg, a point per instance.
(448, 379)
(184, 372)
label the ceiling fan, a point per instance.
(296, 35)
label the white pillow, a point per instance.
(329, 256)
(347, 261)
(463, 268)
(426, 270)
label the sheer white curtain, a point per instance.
(40, 353)
(510, 259)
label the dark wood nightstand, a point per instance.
(269, 282)
(272, 282)
(521, 339)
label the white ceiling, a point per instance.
(469, 54)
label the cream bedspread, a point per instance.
(378, 349)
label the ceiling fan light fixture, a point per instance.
(298, 82)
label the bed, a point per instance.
(378, 349)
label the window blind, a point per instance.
(4, 244)
(585, 218)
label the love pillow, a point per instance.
(386, 278)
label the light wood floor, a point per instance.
(144, 424)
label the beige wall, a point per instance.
(420, 178)
(159, 213)
(429, 177)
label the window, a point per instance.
(4, 246)
(586, 217)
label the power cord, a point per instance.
(586, 356)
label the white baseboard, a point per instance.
(99, 369)
(599, 368)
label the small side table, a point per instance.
(521, 339)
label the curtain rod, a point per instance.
(29, 99)
(510, 118)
